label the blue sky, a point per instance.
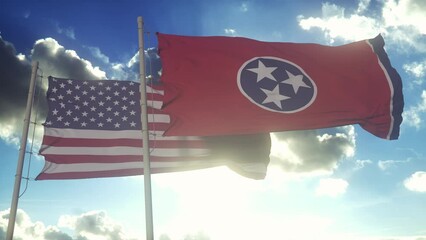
(340, 183)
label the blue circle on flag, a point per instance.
(276, 84)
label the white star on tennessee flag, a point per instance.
(295, 81)
(263, 71)
(274, 96)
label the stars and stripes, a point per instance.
(93, 129)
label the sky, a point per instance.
(337, 183)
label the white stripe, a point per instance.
(97, 167)
(154, 104)
(91, 134)
(110, 134)
(390, 88)
(158, 118)
(149, 89)
(117, 151)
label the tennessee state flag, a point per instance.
(234, 85)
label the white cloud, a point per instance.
(130, 70)
(120, 71)
(15, 73)
(133, 60)
(387, 164)
(417, 70)
(96, 52)
(401, 21)
(413, 116)
(335, 24)
(244, 7)
(230, 31)
(25, 228)
(362, 6)
(21, 57)
(405, 13)
(57, 61)
(310, 152)
(359, 164)
(416, 182)
(8, 132)
(331, 187)
(93, 225)
(248, 225)
(68, 31)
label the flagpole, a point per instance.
(145, 136)
(22, 148)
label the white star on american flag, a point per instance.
(110, 104)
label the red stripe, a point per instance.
(84, 142)
(156, 126)
(111, 173)
(79, 175)
(68, 159)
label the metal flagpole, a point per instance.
(18, 176)
(145, 136)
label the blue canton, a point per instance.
(100, 105)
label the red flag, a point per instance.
(93, 129)
(233, 85)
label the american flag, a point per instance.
(93, 129)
